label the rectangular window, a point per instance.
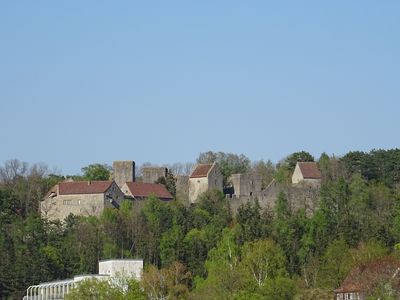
(352, 296)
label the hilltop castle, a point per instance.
(92, 197)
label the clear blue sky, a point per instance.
(161, 81)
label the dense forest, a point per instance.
(203, 251)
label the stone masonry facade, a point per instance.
(123, 171)
(204, 177)
(152, 174)
(85, 201)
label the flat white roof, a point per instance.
(120, 259)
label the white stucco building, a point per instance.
(108, 270)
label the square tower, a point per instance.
(123, 171)
(152, 174)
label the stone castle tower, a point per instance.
(123, 171)
(152, 174)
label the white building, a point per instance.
(108, 270)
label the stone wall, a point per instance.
(61, 206)
(236, 202)
(152, 174)
(269, 195)
(197, 186)
(303, 195)
(123, 171)
(247, 184)
(215, 178)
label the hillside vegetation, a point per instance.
(202, 251)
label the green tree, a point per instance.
(336, 263)
(250, 222)
(324, 166)
(280, 288)
(367, 252)
(378, 165)
(88, 240)
(9, 207)
(283, 174)
(105, 290)
(354, 163)
(385, 291)
(224, 278)
(171, 245)
(312, 245)
(158, 217)
(395, 222)
(166, 283)
(200, 217)
(212, 205)
(266, 170)
(334, 205)
(382, 213)
(287, 231)
(320, 294)
(169, 182)
(302, 156)
(195, 245)
(95, 290)
(214, 202)
(28, 184)
(263, 260)
(358, 225)
(158, 214)
(96, 172)
(229, 163)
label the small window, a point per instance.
(251, 193)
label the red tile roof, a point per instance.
(366, 277)
(84, 187)
(349, 288)
(309, 170)
(201, 170)
(143, 190)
